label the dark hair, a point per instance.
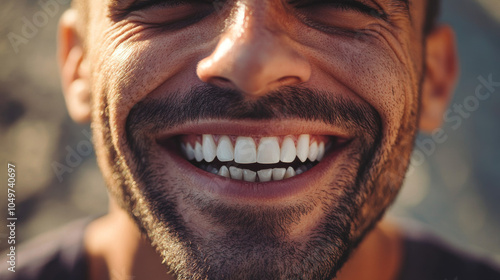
(431, 15)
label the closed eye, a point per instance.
(171, 14)
(343, 5)
(143, 4)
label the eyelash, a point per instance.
(145, 4)
(346, 5)
(341, 4)
(139, 5)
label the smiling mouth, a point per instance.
(256, 159)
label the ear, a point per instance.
(73, 67)
(441, 72)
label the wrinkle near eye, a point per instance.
(121, 8)
(396, 9)
(359, 6)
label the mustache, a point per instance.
(290, 102)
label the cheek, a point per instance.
(137, 62)
(369, 71)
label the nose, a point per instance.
(254, 55)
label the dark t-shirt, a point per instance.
(57, 255)
(60, 256)
(427, 257)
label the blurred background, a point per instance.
(452, 187)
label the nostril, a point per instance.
(219, 81)
(289, 80)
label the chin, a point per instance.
(213, 225)
(248, 198)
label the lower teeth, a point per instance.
(262, 175)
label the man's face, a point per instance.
(256, 88)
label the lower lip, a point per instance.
(238, 189)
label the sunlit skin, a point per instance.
(374, 57)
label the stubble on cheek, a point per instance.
(397, 93)
(171, 214)
(156, 199)
(158, 205)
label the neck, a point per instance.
(117, 250)
(378, 256)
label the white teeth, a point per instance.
(224, 172)
(289, 172)
(236, 173)
(245, 151)
(189, 152)
(303, 147)
(183, 148)
(209, 148)
(249, 175)
(321, 151)
(265, 175)
(313, 151)
(268, 151)
(225, 150)
(288, 150)
(198, 152)
(278, 173)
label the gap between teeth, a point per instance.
(245, 151)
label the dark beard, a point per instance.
(255, 243)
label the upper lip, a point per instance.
(256, 128)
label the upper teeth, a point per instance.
(225, 150)
(245, 150)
